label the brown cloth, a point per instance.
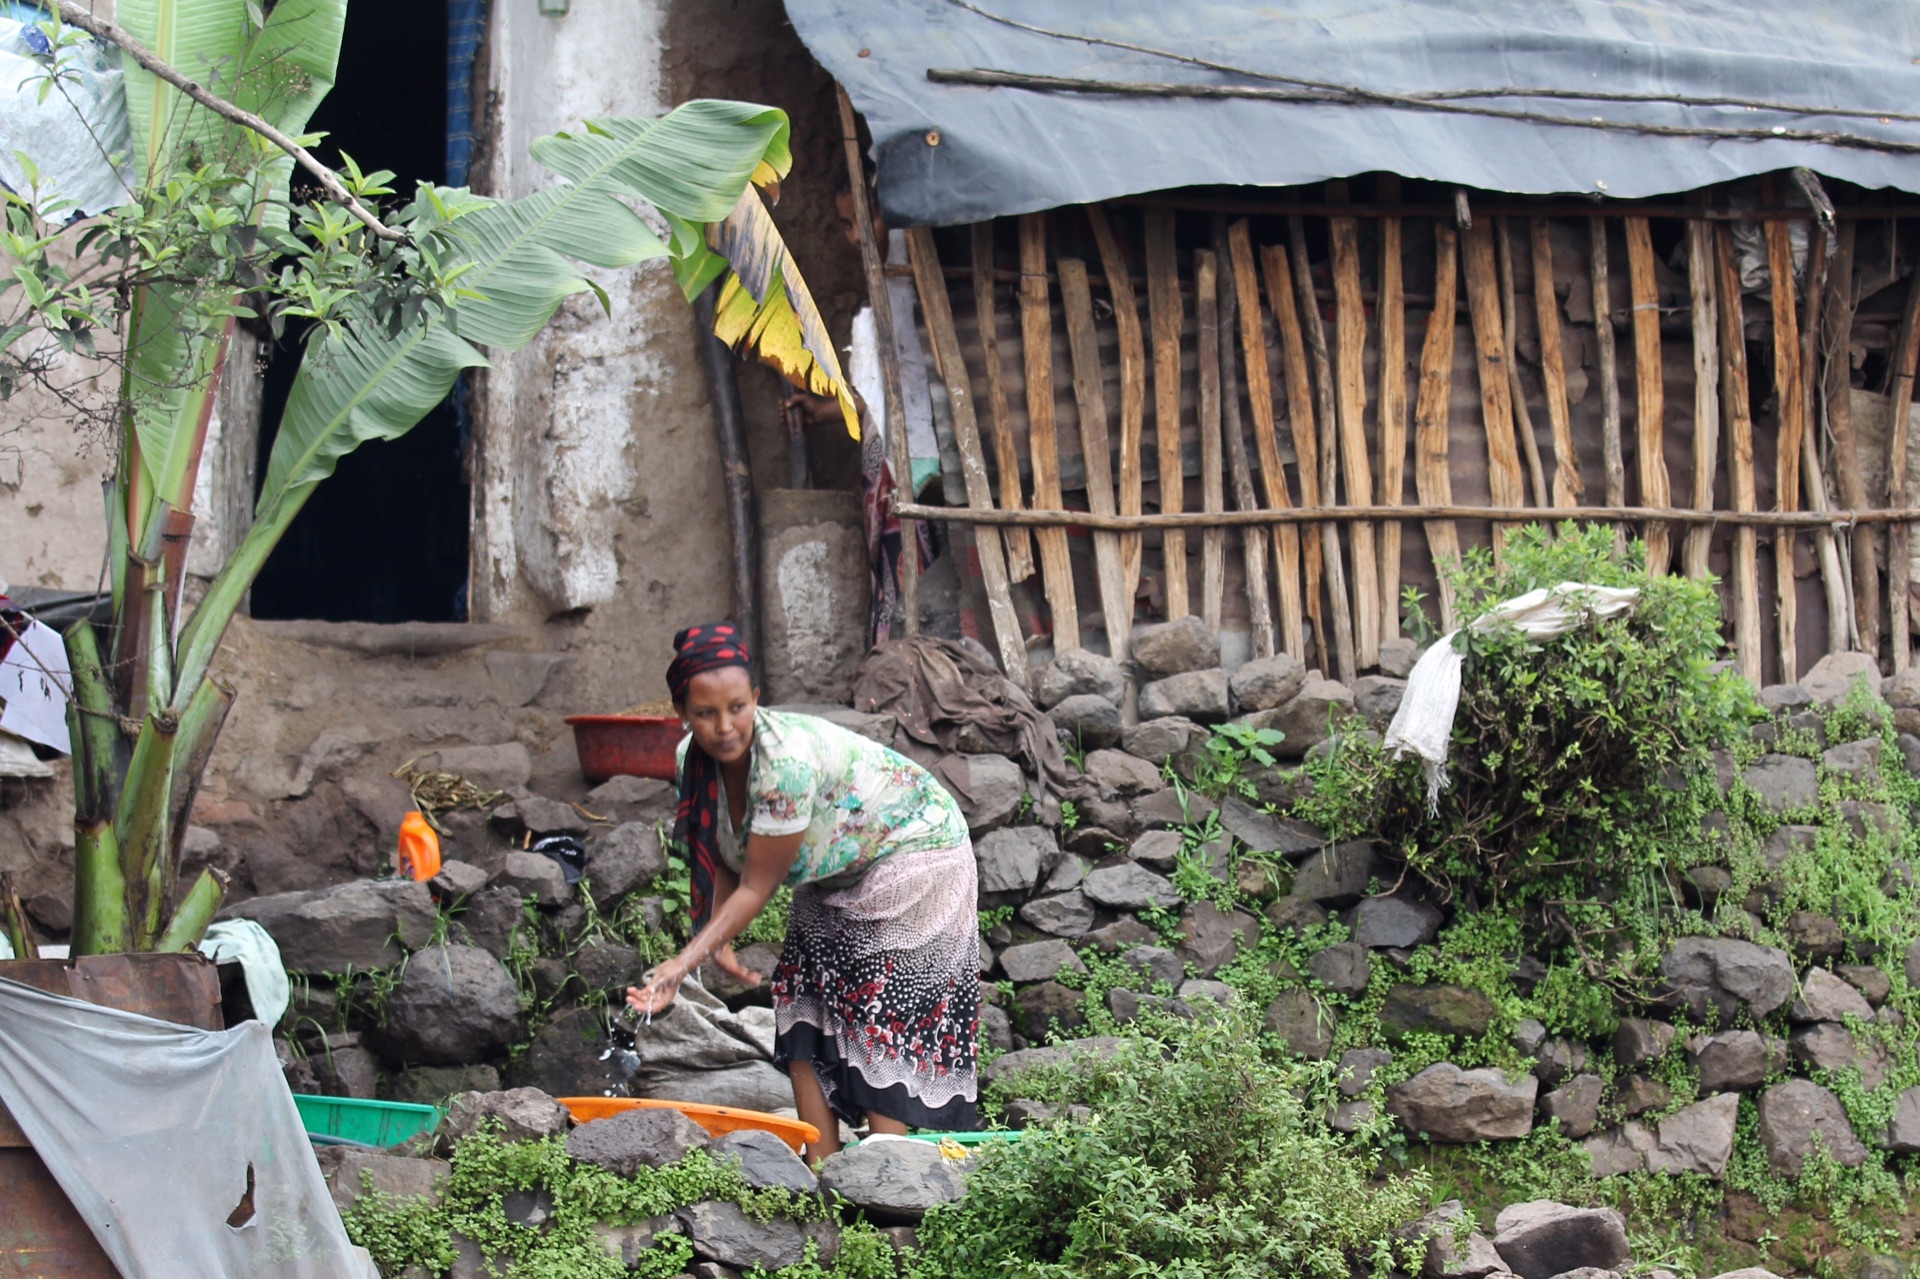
(937, 690)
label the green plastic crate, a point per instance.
(371, 1123)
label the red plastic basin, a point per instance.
(626, 745)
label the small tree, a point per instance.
(218, 92)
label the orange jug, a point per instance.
(419, 854)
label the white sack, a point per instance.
(75, 133)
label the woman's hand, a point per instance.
(663, 983)
(729, 963)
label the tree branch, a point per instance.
(74, 15)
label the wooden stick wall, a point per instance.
(1526, 363)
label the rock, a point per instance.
(1200, 696)
(1076, 672)
(1122, 775)
(1397, 656)
(634, 799)
(1129, 886)
(1903, 1133)
(433, 1085)
(1724, 972)
(1471, 1257)
(723, 1233)
(1783, 782)
(603, 965)
(500, 767)
(1074, 1054)
(1010, 861)
(1039, 961)
(1909, 749)
(1834, 675)
(1155, 963)
(1436, 1010)
(1356, 1069)
(1639, 1041)
(624, 860)
(539, 817)
(1776, 699)
(1041, 1008)
(456, 1004)
(1637, 1094)
(1858, 759)
(1912, 964)
(1748, 1272)
(1559, 1059)
(344, 1069)
(635, 1139)
(492, 920)
(1377, 697)
(1541, 1239)
(1212, 937)
(1339, 875)
(1731, 1060)
(1399, 920)
(1344, 968)
(523, 1114)
(630, 1244)
(893, 1181)
(996, 1028)
(1127, 1005)
(1575, 1104)
(1170, 807)
(1303, 1023)
(1620, 1150)
(1815, 935)
(1697, 1138)
(1197, 990)
(1157, 850)
(1260, 832)
(1784, 842)
(1295, 915)
(1831, 1046)
(1458, 1106)
(1307, 717)
(1704, 884)
(1825, 997)
(989, 788)
(535, 875)
(1088, 720)
(358, 925)
(456, 881)
(1122, 934)
(1160, 740)
(1873, 984)
(567, 1056)
(1266, 682)
(1063, 915)
(1161, 649)
(349, 1170)
(1791, 1113)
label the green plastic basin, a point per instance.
(372, 1123)
(968, 1138)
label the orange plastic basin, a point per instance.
(717, 1120)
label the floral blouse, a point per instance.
(856, 800)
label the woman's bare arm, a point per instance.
(768, 862)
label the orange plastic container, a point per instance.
(717, 1120)
(418, 856)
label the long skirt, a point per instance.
(878, 987)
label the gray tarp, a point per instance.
(158, 1132)
(1004, 150)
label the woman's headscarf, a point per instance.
(698, 649)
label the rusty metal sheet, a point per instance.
(184, 989)
(41, 1236)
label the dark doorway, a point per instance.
(385, 539)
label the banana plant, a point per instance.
(481, 275)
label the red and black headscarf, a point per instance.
(696, 825)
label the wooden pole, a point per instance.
(1649, 380)
(1504, 480)
(1838, 385)
(1833, 577)
(882, 304)
(1253, 542)
(723, 385)
(1166, 314)
(1213, 543)
(1870, 516)
(1392, 309)
(1568, 488)
(937, 307)
(1306, 448)
(1273, 473)
(1736, 406)
(1431, 437)
(1792, 425)
(1706, 388)
(1510, 325)
(1036, 338)
(1315, 335)
(1906, 353)
(1609, 373)
(1006, 450)
(1350, 346)
(1133, 389)
(1090, 397)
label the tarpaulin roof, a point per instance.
(1115, 97)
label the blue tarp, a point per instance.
(951, 153)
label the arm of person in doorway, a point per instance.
(769, 859)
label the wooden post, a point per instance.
(1006, 450)
(1568, 487)
(1315, 335)
(1350, 346)
(1036, 335)
(1510, 324)
(1393, 414)
(1649, 380)
(1838, 384)
(1133, 388)
(1792, 425)
(937, 308)
(1090, 397)
(1833, 578)
(1253, 542)
(1273, 473)
(1609, 374)
(1706, 389)
(1735, 406)
(1496, 404)
(743, 526)
(1165, 314)
(1432, 473)
(1306, 448)
(1906, 353)
(1213, 542)
(882, 304)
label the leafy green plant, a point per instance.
(1229, 751)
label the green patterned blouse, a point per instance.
(856, 800)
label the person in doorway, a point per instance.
(876, 995)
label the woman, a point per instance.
(876, 997)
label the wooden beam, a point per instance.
(1906, 353)
(1792, 425)
(1392, 309)
(1213, 543)
(1133, 388)
(1090, 397)
(1036, 336)
(1431, 437)
(1837, 384)
(937, 308)
(1568, 487)
(1306, 448)
(1504, 480)
(1273, 473)
(1006, 450)
(1510, 324)
(1870, 516)
(1253, 541)
(1833, 577)
(1166, 315)
(1315, 335)
(1609, 372)
(1706, 388)
(1649, 381)
(1350, 347)
(1736, 407)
